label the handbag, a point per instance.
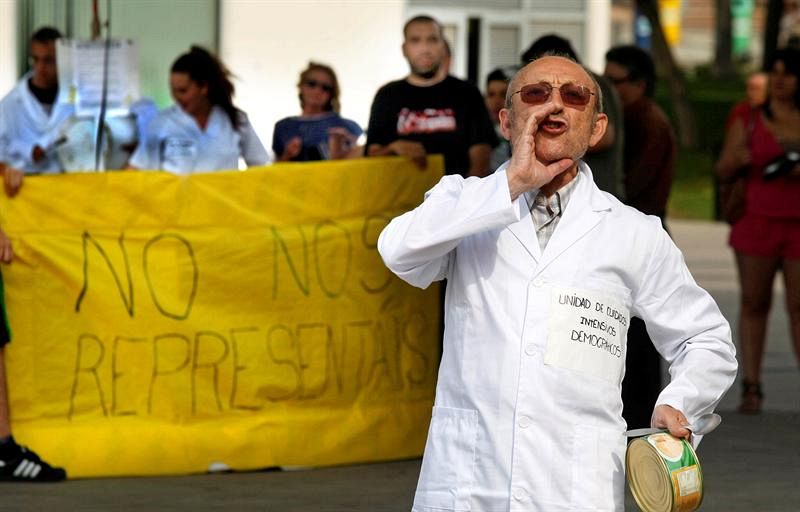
(732, 196)
(732, 190)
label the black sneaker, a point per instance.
(23, 465)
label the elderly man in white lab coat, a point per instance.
(544, 273)
(31, 116)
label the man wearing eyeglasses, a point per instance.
(605, 158)
(30, 116)
(544, 272)
(430, 111)
(649, 159)
(650, 149)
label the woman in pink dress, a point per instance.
(766, 141)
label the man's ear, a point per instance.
(505, 123)
(599, 129)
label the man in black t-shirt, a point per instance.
(429, 112)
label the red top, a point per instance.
(740, 110)
(779, 197)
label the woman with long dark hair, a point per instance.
(204, 130)
(766, 142)
(319, 132)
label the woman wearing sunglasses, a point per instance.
(319, 132)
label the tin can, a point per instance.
(664, 474)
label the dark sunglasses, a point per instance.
(313, 83)
(573, 95)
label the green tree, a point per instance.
(673, 74)
(772, 28)
(723, 48)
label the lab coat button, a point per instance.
(530, 349)
(538, 282)
(518, 494)
(524, 422)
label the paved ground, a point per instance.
(749, 463)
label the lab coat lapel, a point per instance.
(34, 112)
(524, 230)
(583, 212)
(187, 123)
(46, 126)
(60, 113)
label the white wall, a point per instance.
(598, 34)
(586, 23)
(266, 45)
(8, 45)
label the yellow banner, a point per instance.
(167, 325)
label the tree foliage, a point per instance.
(670, 71)
(723, 47)
(772, 28)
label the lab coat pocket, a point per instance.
(597, 468)
(178, 154)
(448, 467)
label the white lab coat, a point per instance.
(24, 124)
(527, 413)
(175, 143)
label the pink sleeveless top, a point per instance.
(779, 197)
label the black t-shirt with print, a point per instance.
(447, 118)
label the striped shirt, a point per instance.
(546, 211)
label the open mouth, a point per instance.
(553, 126)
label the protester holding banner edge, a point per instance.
(429, 111)
(31, 116)
(17, 463)
(319, 132)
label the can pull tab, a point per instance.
(704, 424)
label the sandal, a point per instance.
(751, 398)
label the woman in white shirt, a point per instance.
(203, 131)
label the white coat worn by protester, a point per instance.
(175, 143)
(24, 123)
(528, 414)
